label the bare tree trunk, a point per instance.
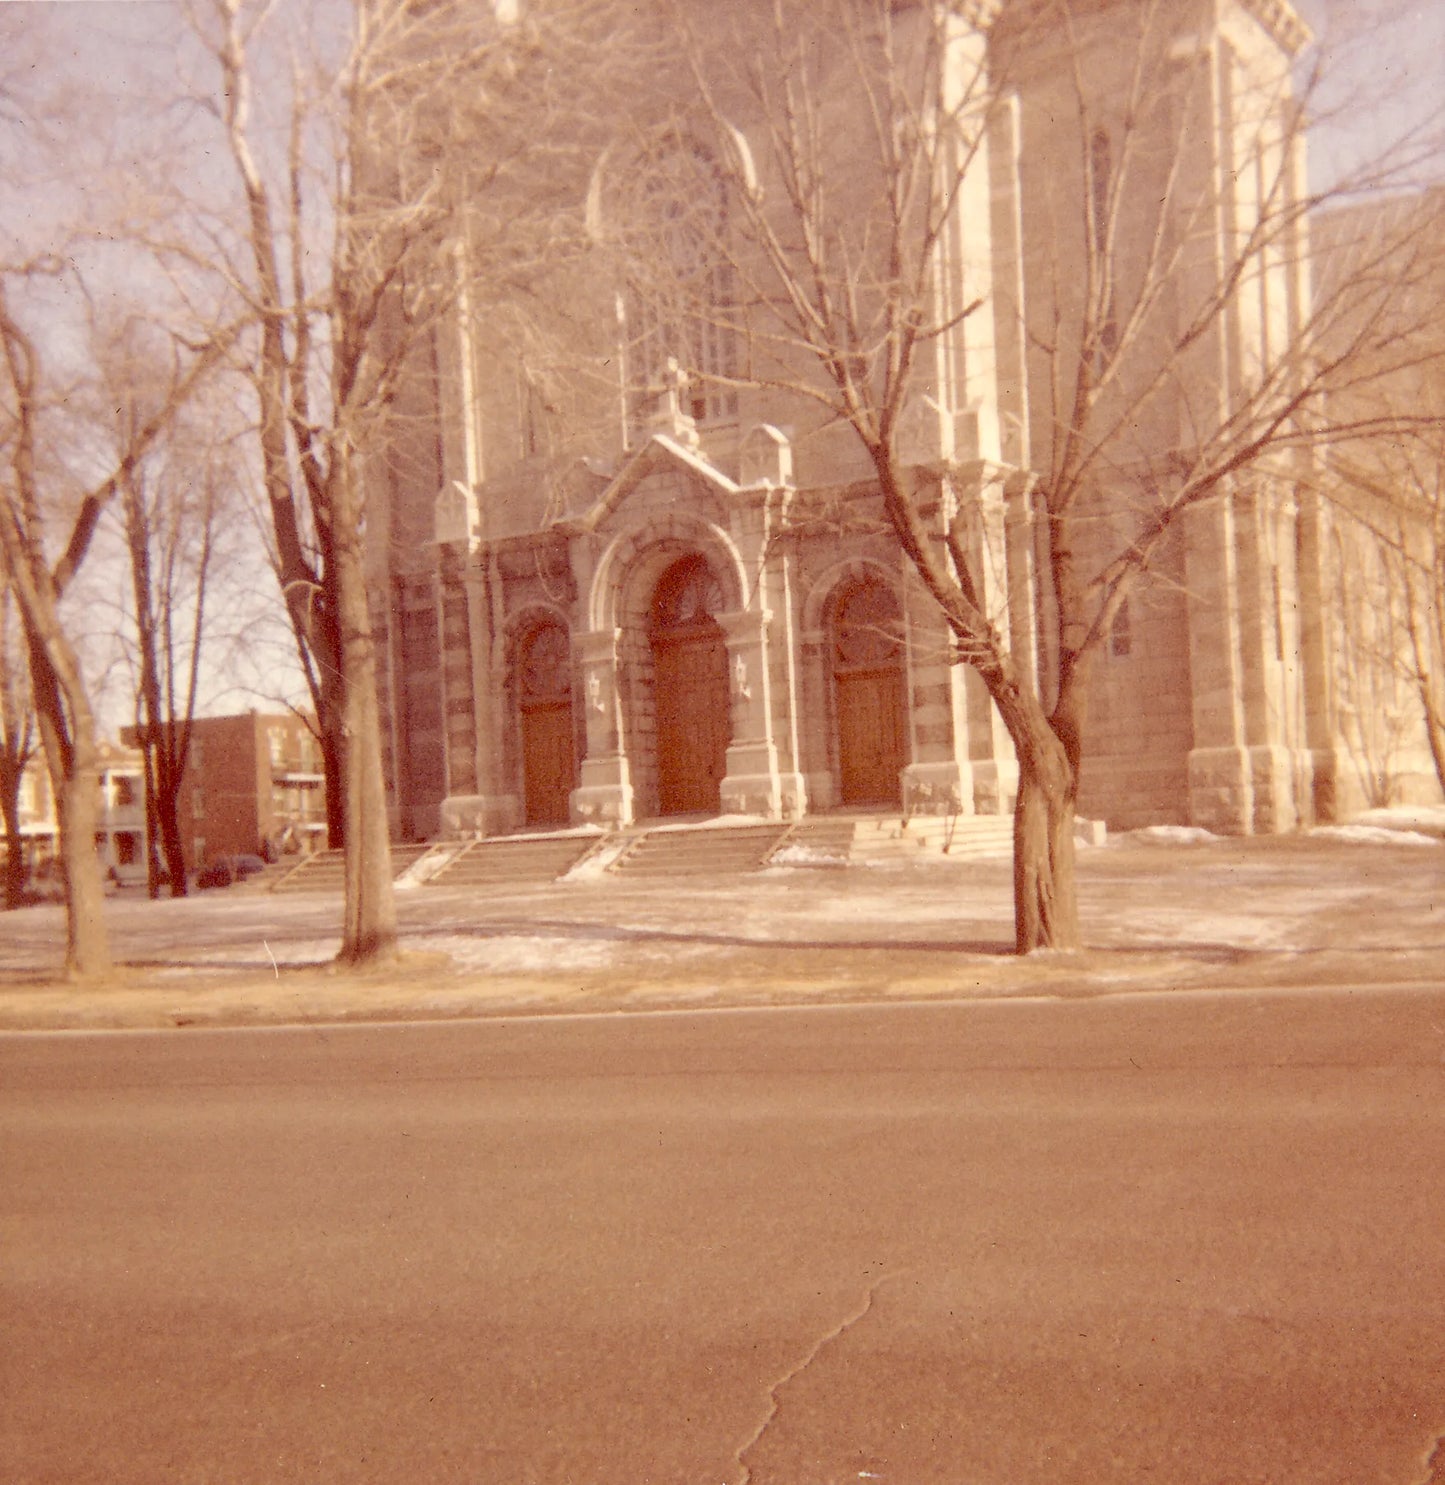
(17, 739)
(152, 832)
(67, 730)
(1046, 913)
(168, 819)
(14, 840)
(369, 929)
(330, 730)
(1046, 905)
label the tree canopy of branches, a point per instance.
(45, 536)
(401, 165)
(171, 505)
(1163, 363)
(1388, 491)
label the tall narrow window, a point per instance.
(1121, 635)
(1101, 185)
(680, 301)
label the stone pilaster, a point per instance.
(477, 802)
(753, 784)
(605, 795)
(1221, 775)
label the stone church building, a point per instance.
(691, 606)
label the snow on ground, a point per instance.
(798, 854)
(1429, 819)
(1156, 911)
(1373, 835)
(715, 822)
(1172, 835)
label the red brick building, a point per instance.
(253, 785)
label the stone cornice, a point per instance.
(1278, 17)
(980, 14)
(1282, 21)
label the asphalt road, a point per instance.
(1189, 1239)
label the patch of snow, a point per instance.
(565, 832)
(1429, 819)
(596, 863)
(801, 855)
(716, 822)
(1372, 835)
(1173, 835)
(513, 953)
(424, 868)
(1233, 930)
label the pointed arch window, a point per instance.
(678, 304)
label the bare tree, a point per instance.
(17, 740)
(1386, 494)
(1388, 499)
(171, 505)
(397, 182)
(35, 519)
(1166, 368)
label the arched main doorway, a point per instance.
(869, 693)
(690, 687)
(549, 749)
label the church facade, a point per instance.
(696, 606)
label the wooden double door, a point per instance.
(871, 736)
(549, 762)
(690, 689)
(548, 731)
(870, 695)
(691, 678)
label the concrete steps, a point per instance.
(841, 840)
(699, 851)
(959, 838)
(325, 871)
(818, 840)
(516, 858)
(674, 851)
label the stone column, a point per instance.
(604, 796)
(501, 799)
(1221, 777)
(752, 784)
(981, 756)
(1316, 618)
(938, 779)
(1271, 760)
(478, 802)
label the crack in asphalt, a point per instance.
(794, 1372)
(1435, 1464)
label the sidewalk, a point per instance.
(1165, 916)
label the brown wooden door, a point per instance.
(691, 681)
(870, 736)
(549, 749)
(548, 762)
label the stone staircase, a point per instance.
(501, 860)
(959, 837)
(325, 871)
(841, 840)
(683, 851)
(673, 851)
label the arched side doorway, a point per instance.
(690, 688)
(548, 736)
(870, 694)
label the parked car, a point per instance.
(227, 869)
